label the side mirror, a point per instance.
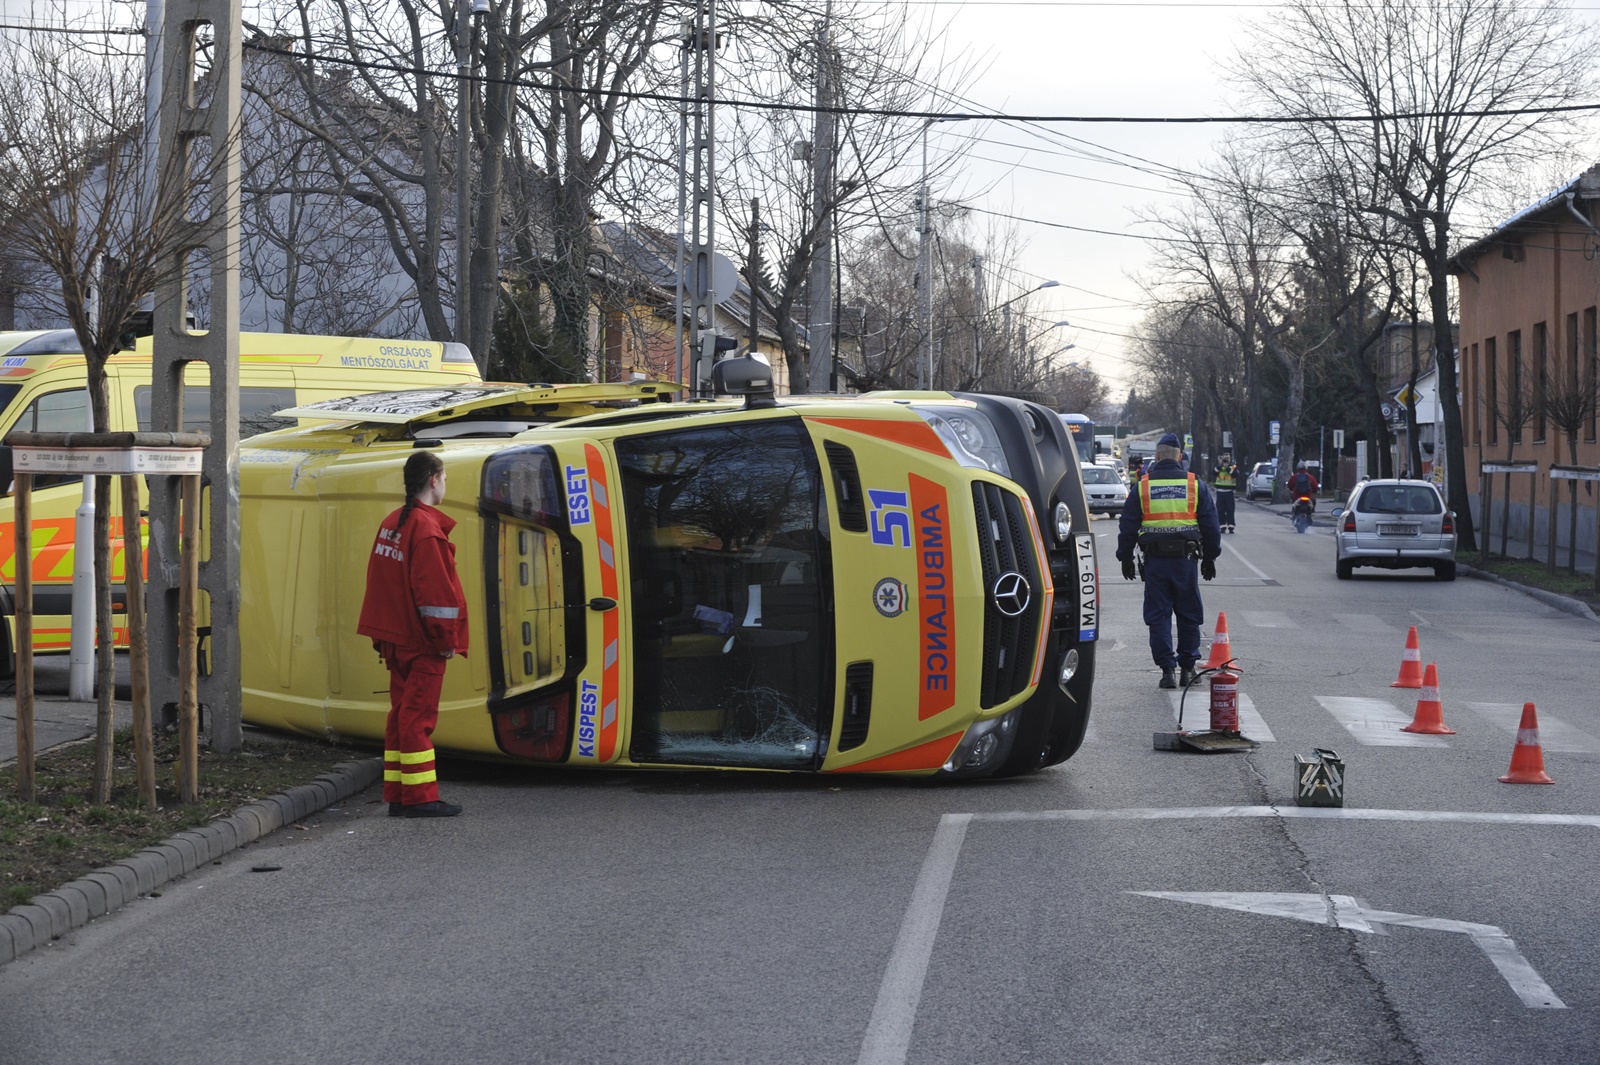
(1336, 513)
(747, 377)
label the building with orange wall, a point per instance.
(1530, 292)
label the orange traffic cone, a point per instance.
(1410, 663)
(1429, 717)
(1221, 650)
(1527, 757)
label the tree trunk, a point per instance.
(1445, 362)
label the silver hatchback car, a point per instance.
(1395, 525)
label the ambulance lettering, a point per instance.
(936, 609)
(578, 495)
(588, 708)
(888, 517)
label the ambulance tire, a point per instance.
(1044, 399)
(8, 661)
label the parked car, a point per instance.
(1104, 486)
(1260, 480)
(1395, 524)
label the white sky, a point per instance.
(1140, 57)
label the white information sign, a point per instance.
(105, 460)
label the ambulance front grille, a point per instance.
(1005, 546)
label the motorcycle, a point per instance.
(1303, 507)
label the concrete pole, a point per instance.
(819, 311)
(463, 173)
(924, 275)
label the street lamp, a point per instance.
(1006, 328)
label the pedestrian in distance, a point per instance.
(1224, 479)
(415, 613)
(1172, 521)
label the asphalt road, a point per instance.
(1132, 906)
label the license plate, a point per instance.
(1398, 530)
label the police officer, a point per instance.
(1173, 521)
(1224, 480)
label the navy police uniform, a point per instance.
(1172, 518)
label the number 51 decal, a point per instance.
(890, 514)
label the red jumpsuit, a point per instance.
(415, 613)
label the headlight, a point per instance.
(1069, 668)
(986, 744)
(1063, 523)
(970, 436)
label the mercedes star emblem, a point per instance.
(1011, 593)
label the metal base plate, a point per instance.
(1204, 742)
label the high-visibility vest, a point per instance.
(1226, 475)
(1170, 506)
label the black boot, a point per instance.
(437, 808)
(1186, 675)
(1169, 679)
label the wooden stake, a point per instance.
(23, 558)
(188, 677)
(144, 760)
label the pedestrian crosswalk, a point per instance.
(1554, 734)
(1376, 722)
(1197, 713)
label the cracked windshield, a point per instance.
(728, 567)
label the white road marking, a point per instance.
(888, 1037)
(1345, 912)
(1310, 813)
(1376, 723)
(1365, 623)
(1268, 619)
(1251, 566)
(1197, 713)
(889, 1029)
(1554, 733)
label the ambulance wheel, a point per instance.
(8, 661)
(1445, 571)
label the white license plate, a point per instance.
(1398, 530)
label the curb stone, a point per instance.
(55, 913)
(1576, 607)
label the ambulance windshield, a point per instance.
(729, 567)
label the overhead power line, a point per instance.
(769, 105)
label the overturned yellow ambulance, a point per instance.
(893, 583)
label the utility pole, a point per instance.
(755, 274)
(924, 275)
(215, 231)
(701, 174)
(819, 331)
(977, 320)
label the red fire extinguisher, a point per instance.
(1225, 700)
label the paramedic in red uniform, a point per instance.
(415, 613)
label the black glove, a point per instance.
(1208, 568)
(1128, 573)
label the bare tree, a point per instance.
(1512, 408)
(1453, 91)
(89, 225)
(1571, 403)
(873, 63)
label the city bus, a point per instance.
(899, 583)
(1082, 429)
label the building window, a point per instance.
(1474, 409)
(1491, 391)
(1516, 397)
(1541, 381)
(1592, 364)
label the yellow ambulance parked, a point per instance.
(43, 389)
(896, 583)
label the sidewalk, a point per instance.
(57, 719)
